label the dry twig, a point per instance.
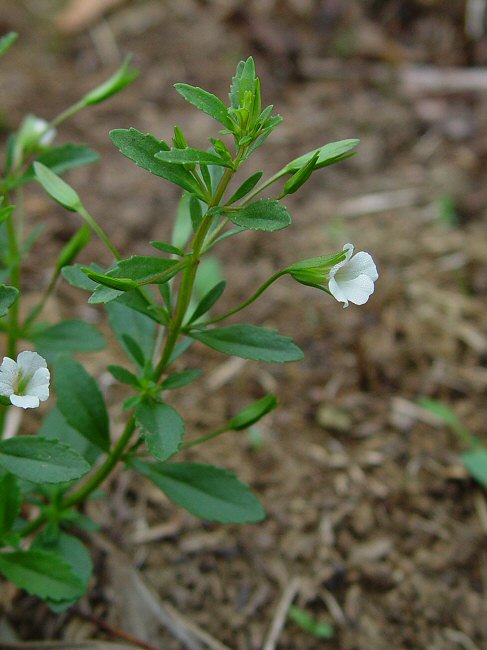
(289, 594)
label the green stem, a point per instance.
(250, 300)
(38, 308)
(15, 282)
(66, 114)
(265, 184)
(99, 231)
(205, 438)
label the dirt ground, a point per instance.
(372, 523)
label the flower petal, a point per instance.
(39, 384)
(25, 401)
(28, 362)
(358, 290)
(6, 388)
(336, 291)
(360, 264)
(8, 371)
(348, 248)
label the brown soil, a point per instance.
(368, 503)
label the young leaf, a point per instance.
(180, 379)
(124, 76)
(42, 574)
(167, 248)
(57, 189)
(191, 156)
(206, 491)
(208, 301)
(127, 322)
(328, 154)
(81, 402)
(246, 187)
(55, 427)
(253, 413)
(40, 460)
(8, 295)
(250, 342)
(264, 214)
(123, 375)
(61, 159)
(300, 177)
(134, 350)
(475, 462)
(9, 502)
(162, 428)
(68, 336)
(7, 41)
(195, 212)
(206, 102)
(141, 149)
(309, 624)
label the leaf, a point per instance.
(253, 413)
(141, 149)
(182, 227)
(134, 350)
(124, 76)
(328, 154)
(68, 336)
(167, 248)
(43, 574)
(206, 491)
(7, 41)
(9, 502)
(245, 188)
(180, 379)
(57, 189)
(139, 268)
(206, 102)
(61, 159)
(8, 295)
(76, 278)
(208, 301)
(81, 402)
(250, 342)
(309, 624)
(40, 460)
(264, 214)
(55, 427)
(123, 375)
(162, 428)
(191, 156)
(475, 462)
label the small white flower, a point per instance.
(353, 278)
(39, 127)
(25, 381)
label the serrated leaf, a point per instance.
(7, 41)
(55, 427)
(141, 149)
(475, 462)
(208, 301)
(68, 336)
(43, 574)
(328, 154)
(206, 491)
(191, 156)
(264, 214)
(81, 402)
(250, 342)
(57, 189)
(180, 379)
(9, 502)
(76, 278)
(127, 322)
(253, 413)
(162, 428)
(40, 460)
(206, 102)
(8, 295)
(246, 187)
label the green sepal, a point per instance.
(301, 176)
(329, 154)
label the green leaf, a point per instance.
(180, 379)
(7, 41)
(264, 214)
(9, 502)
(246, 187)
(475, 462)
(167, 248)
(8, 295)
(141, 149)
(76, 278)
(61, 159)
(124, 76)
(68, 336)
(206, 491)
(81, 402)
(206, 102)
(55, 427)
(57, 189)
(250, 342)
(40, 460)
(127, 322)
(245, 80)
(191, 156)
(309, 624)
(253, 413)
(182, 227)
(208, 301)
(123, 375)
(162, 428)
(448, 416)
(42, 574)
(72, 551)
(138, 268)
(300, 177)
(328, 155)
(134, 350)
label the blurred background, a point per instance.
(374, 526)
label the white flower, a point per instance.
(39, 127)
(353, 278)
(25, 381)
